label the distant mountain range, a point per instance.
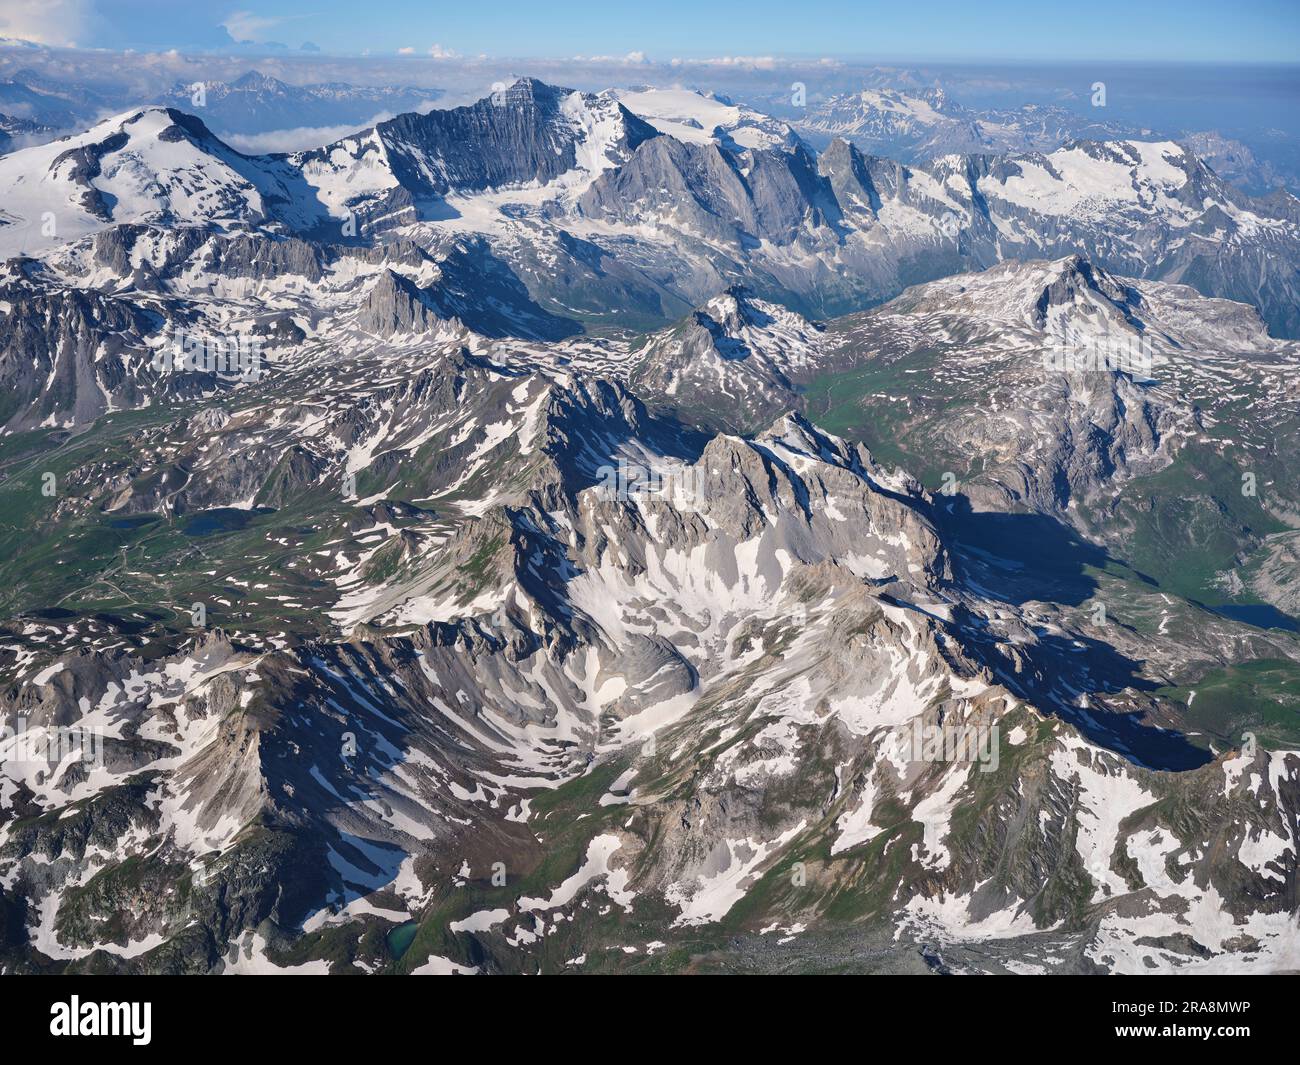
(581, 198)
(14, 132)
(915, 126)
(921, 125)
(252, 104)
(258, 103)
(30, 96)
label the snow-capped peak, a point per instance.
(154, 164)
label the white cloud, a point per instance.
(439, 52)
(406, 51)
(60, 23)
(631, 59)
(745, 62)
(301, 138)
(246, 26)
(287, 140)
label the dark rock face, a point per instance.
(82, 165)
(260, 257)
(113, 247)
(516, 136)
(774, 198)
(61, 353)
(525, 133)
(396, 305)
(851, 181)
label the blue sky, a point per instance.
(1244, 31)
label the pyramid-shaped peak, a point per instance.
(1074, 280)
(529, 88)
(255, 80)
